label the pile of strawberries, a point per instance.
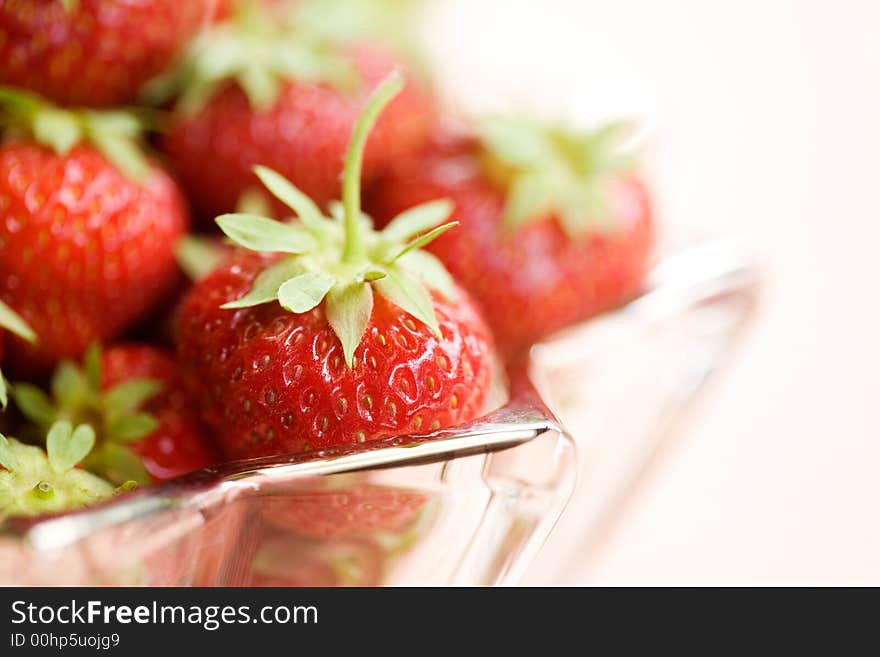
(233, 229)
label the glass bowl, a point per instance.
(471, 505)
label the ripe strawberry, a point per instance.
(355, 512)
(290, 349)
(176, 446)
(132, 396)
(286, 98)
(93, 52)
(555, 228)
(87, 229)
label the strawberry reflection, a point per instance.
(340, 536)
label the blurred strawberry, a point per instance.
(176, 446)
(88, 228)
(131, 395)
(260, 89)
(555, 225)
(93, 52)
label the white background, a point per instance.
(766, 122)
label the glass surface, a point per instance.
(622, 385)
(471, 505)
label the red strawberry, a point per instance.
(132, 397)
(294, 112)
(93, 52)
(86, 240)
(176, 446)
(222, 9)
(553, 228)
(276, 367)
(355, 512)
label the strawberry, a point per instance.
(353, 512)
(287, 98)
(93, 52)
(87, 228)
(328, 332)
(176, 446)
(132, 396)
(554, 226)
(34, 482)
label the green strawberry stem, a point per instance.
(354, 251)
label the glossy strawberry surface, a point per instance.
(97, 54)
(303, 136)
(534, 280)
(177, 445)
(84, 251)
(269, 381)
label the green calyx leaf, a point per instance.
(104, 420)
(131, 427)
(115, 133)
(259, 50)
(349, 308)
(307, 211)
(266, 286)
(302, 293)
(118, 463)
(198, 256)
(551, 170)
(263, 234)
(70, 6)
(67, 446)
(93, 369)
(128, 396)
(345, 260)
(407, 292)
(34, 404)
(424, 240)
(34, 482)
(11, 321)
(8, 458)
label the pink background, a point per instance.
(764, 122)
